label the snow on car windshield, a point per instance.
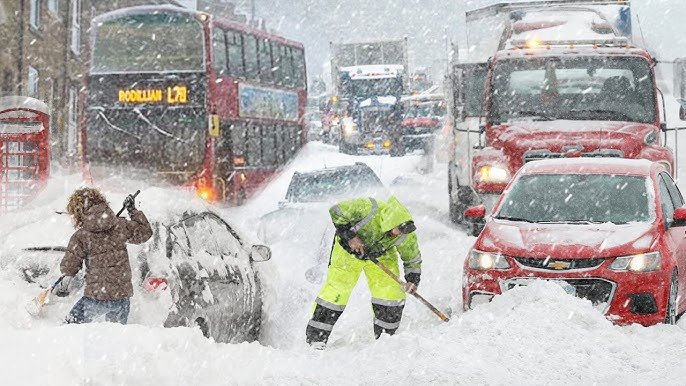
(583, 88)
(597, 198)
(324, 186)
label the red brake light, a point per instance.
(155, 283)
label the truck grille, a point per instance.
(533, 155)
(559, 264)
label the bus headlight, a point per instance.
(487, 260)
(494, 173)
(349, 128)
(645, 262)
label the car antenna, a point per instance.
(643, 39)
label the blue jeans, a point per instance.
(87, 309)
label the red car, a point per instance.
(612, 231)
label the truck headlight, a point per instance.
(487, 260)
(645, 262)
(494, 173)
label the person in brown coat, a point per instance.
(100, 243)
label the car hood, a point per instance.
(567, 241)
(558, 135)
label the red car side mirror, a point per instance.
(679, 216)
(475, 212)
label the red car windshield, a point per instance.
(577, 198)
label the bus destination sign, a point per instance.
(174, 95)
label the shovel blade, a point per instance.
(36, 304)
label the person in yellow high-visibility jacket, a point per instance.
(367, 227)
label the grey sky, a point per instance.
(316, 22)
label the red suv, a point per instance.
(610, 231)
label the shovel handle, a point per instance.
(122, 207)
(56, 283)
(419, 297)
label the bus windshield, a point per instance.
(156, 42)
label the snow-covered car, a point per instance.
(610, 231)
(196, 268)
(309, 196)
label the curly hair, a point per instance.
(82, 200)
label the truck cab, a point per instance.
(563, 83)
(372, 120)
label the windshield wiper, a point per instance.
(536, 115)
(515, 219)
(608, 114)
(572, 222)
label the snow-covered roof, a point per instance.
(374, 71)
(563, 26)
(24, 102)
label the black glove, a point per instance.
(62, 289)
(413, 278)
(130, 203)
(344, 233)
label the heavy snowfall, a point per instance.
(534, 334)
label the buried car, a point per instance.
(309, 196)
(196, 268)
(610, 231)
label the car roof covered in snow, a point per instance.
(637, 167)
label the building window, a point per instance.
(54, 6)
(7, 82)
(71, 120)
(33, 82)
(34, 14)
(76, 26)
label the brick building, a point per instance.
(46, 55)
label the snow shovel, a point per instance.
(122, 208)
(395, 277)
(36, 304)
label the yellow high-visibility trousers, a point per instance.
(388, 297)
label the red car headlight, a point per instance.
(644, 262)
(487, 260)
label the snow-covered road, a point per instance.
(530, 335)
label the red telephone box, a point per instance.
(24, 150)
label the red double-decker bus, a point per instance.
(192, 98)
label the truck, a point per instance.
(563, 79)
(368, 80)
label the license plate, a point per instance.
(565, 286)
(568, 288)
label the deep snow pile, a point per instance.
(536, 334)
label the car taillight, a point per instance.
(155, 284)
